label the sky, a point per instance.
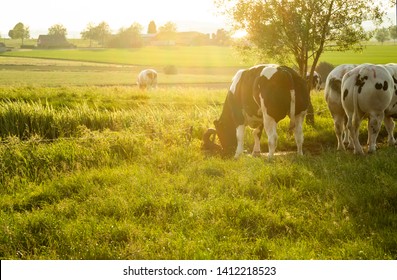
(39, 15)
(189, 15)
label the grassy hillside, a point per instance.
(114, 173)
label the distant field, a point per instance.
(196, 65)
(196, 57)
(16, 71)
(206, 56)
(377, 54)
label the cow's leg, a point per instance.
(299, 131)
(339, 124)
(353, 128)
(347, 139)
(257, 136)
(240, 140)
(374, 124)
(389, 125)
(271, 131)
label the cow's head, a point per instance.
(227, 137)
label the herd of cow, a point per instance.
(263, 95)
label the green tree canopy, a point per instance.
(152, 28)
(99, 33)
(57, 29)
(19, 32)
(301, 30)
(382, 35)
(168, 27)
(222, 37)
(127, 37)
(168, 31)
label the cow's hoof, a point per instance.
(256, 154)
(360, 152)
(372, 151)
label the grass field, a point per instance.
(110, 172)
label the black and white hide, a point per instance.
(367, 90)
(239, 110)
(282, 92)
(332, 94)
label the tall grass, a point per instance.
(139, 186)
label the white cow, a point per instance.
(391, 111)
(332, 94)
(366, 90)
(147, 79)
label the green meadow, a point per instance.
(93, 168)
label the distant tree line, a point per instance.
(131, 37)
(126, 37)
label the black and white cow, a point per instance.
(316, 82)
(240, 109)
(252, 91)
(147, 79)
(367, 91)
(332, 93)
(282, 92)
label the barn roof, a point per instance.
(52, 41)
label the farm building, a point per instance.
(53, 41)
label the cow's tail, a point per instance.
(292, 110)
(355, 119)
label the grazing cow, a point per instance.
(243, 106)
(282, 92)
(147, 79)
(332, 94)
(316, 82)
(367, 90)
(240, 109)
